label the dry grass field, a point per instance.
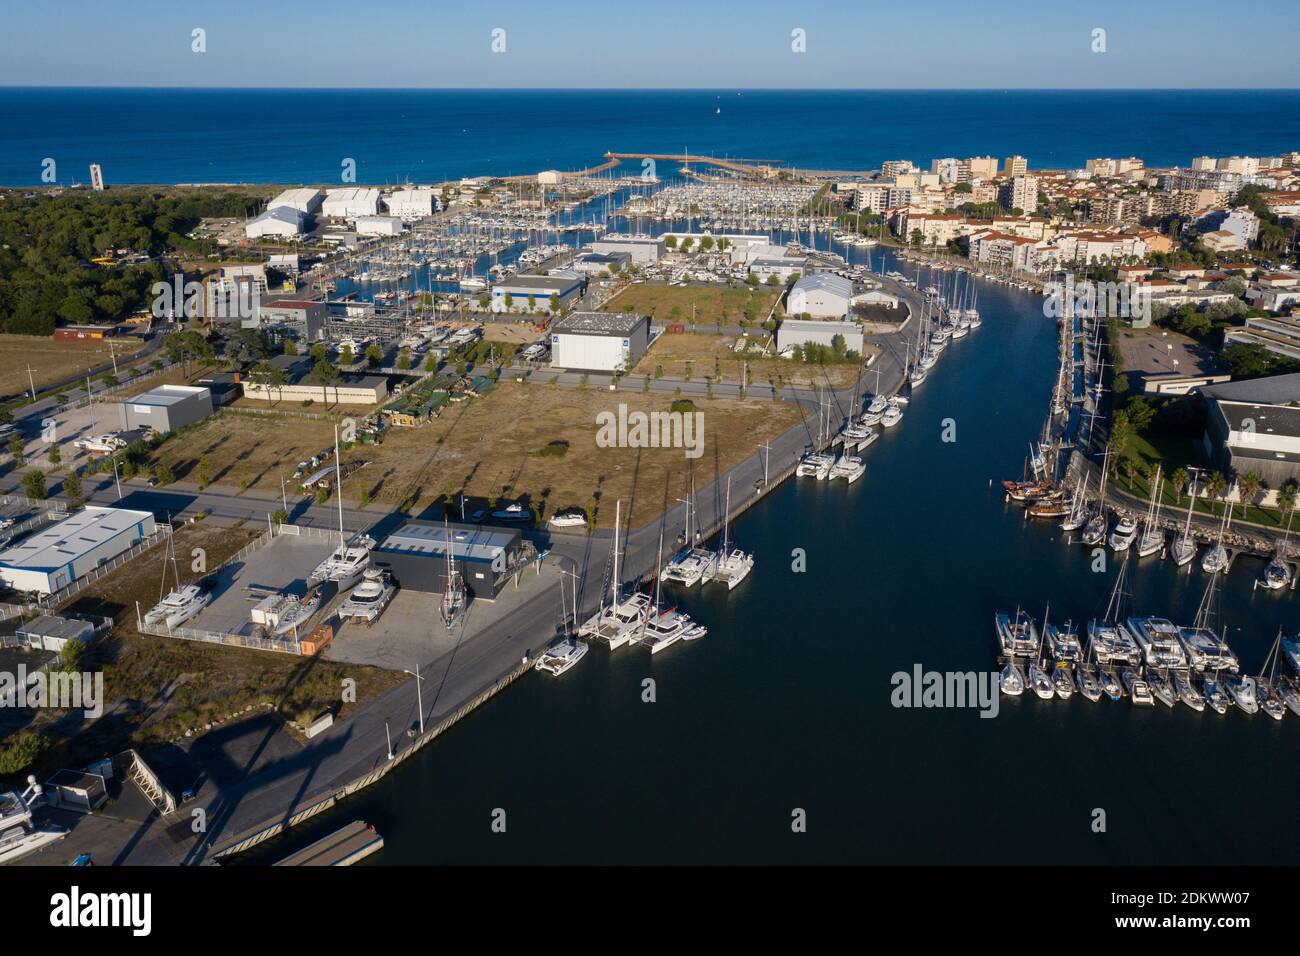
(51, 360)
(712, 304)
(700, 357)
(489, 448)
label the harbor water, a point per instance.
(786, 705)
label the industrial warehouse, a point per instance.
(53, 558)
(599, 341)
(485, 557)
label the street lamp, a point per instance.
(419, 696)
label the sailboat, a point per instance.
(1277, 574)
(1184, 547)
(732, 565)
(181, 603)
(1109, 642)
(455, 597)
(688, 566)
(1266, 684)
(1216, 558)
(661, 628)
(1039, 679)
(617, 622)
(1153, 538)
(1078, 515)
(1094, 532)
(347, 562)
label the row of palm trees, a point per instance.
(1217, 486)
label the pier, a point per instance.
(344, 847)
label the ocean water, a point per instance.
(303, 136)
(786, 703)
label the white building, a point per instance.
(599, 341)
(413, 203)
(53, 558)
(306, 200)
(350, 202)
(821, 295)
(378, 226)
(800, 332)
(644, 250)
(280, 221)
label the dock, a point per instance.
(344, 847)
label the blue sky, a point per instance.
(723, 44)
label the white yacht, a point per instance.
(294, 612)
(816, 465)
(1041, 682)
(1215, 696)
(1242, 689)
(1062, 678)
(568, 519)
(558, 658)
(346, 563)
(1161, 687)
(19, 835)
(1216, 559)
(1158, 639)
(1277, 575)
(178, 606)
(1110, 643)
(369, 598)
(878, 404)
(849, 467)
(892, 415)
(1125, 530)
(1138, 689)
(731, 568)
(870, 417)
(1183, 550)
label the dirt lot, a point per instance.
(713, 304)
(703, 356)
(1156, 351)
(51, 360)
(489, 447)
(157, 688)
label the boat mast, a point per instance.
(338, 482)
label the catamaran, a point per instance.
(849, 467)
(347, 562)
(731, 565)
(1017, 634)
(1109, 642)
(564, 654)
(616, 622)
(1158, 639)
(181, 603)
(816, 465)
(689, 565)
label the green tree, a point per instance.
(34, 485)
(22, 749)
(16, 445)
(324, 374)
(1248, 486)
(1214, 486)
(1286, 498)
(374, 355)
(72, 486)
(1179, 479)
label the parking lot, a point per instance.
(282, 565)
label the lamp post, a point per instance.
(419, 695)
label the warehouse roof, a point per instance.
(468, 542)
(600, 323)
(60, 628)
(556, 283)
(72, 537)
(166, 395)
(825, 282)
(1273, 390)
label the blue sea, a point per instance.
(303, 136)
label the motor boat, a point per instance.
(1291, 651)
(1094, 532)
(345, 564)
(849, 467)
(892, 415)
(369, 598)
(558, 658)
(178, 606)
(1125, 530)
(667, 628)
(295, 612)
(513, 512)
(19, 833)
(1138, 689)
(1242, 690)
(568, 519)
(878, 404)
